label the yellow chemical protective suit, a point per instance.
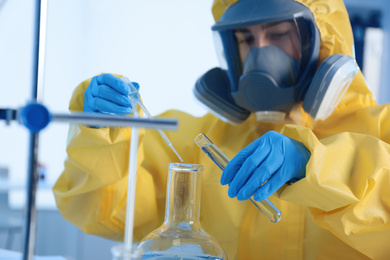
(341, 210)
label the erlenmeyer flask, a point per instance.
(181, 236)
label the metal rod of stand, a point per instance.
(96, 119)
(32, 178)
(86, 119)
(32, 181)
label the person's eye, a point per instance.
(279, 35)
(249, 39)
(245, 39)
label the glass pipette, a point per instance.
(131, 185)
(220, 159)
(134, 93)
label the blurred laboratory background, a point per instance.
(163, 45)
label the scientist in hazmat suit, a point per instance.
(306, 132)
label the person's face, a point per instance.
(282, 34)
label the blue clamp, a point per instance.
(35, 117)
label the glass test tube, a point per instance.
(220, 159)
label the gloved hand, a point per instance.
(264, 166)
(108, 94)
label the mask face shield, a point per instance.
(276, 57)
(219, 50)
(273, 48)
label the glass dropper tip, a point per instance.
(135, 97)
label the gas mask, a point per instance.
(276, 71)
(269, 62)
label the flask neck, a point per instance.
(183, 199)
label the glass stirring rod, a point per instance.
(220, 159)
(135, 94)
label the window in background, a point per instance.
(368, 40)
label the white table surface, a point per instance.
(12, 255)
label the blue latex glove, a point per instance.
(108, 94)
(273, 158)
